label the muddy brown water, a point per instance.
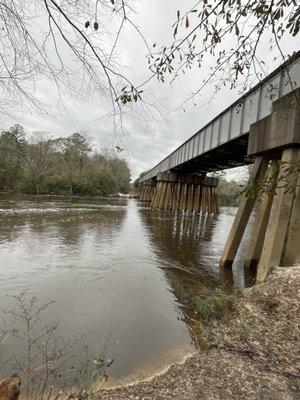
(118, 274)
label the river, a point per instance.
(120, 277)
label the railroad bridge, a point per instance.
(261, 128)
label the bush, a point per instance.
(53, 184)
(106, 184)
(26, 185)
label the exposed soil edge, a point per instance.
(253, 355)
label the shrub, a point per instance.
(26, 185)
(53, 184)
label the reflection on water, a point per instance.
(118, 273)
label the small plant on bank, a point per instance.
(216, 304)
(45, 356)
(45, 361)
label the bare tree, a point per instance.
(226, 34)
(66, 41)
(62, 41)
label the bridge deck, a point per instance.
(222, 143)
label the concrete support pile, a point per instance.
(147, 192)
(275, 240)
(185, 193)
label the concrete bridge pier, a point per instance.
(179, 192)
(275, 240)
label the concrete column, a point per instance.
(281, 210)
(292, 252)
(243, 214)
(261, 223)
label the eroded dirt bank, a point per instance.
(254, 351)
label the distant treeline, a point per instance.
(229, 193)
(64, 165)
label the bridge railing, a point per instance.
(235, 120)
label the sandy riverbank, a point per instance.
(253, 351)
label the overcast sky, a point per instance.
(149, 138)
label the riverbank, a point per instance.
(253, 351)
(67, 196)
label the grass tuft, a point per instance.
(217, 303)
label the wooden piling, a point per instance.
(190, 197)
(213, 201)
(178, 196)
(162, 195)
(156, 196)
(204, 199)
(216, 201)
(148, 193)
(196, 203)
(153, 188)
(183, 196)
(210, 200)
(181, 192)
(174, 196)
(168, 196)
(145, 192)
